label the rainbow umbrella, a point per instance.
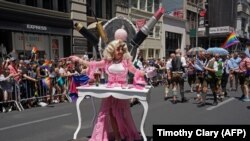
(218, 50)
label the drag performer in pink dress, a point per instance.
(115, 112)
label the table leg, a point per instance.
(145, 106)
(94, 117)
(79, 100)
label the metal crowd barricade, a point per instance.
(28, 90)
(15, 97)
(42, 93)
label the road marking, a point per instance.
(221, 103)
(35, 121)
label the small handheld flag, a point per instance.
(34, 50)
(231, 40)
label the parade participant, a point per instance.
(199, 69)
(191, 73)
(234, 61)
(244, 75)
(225, 75)
(117, 62)
(211, 68)
(178, 64)
(168, 87)
(218, 75)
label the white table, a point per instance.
(117, 92)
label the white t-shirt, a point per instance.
(168, 64)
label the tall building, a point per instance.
(192, 16)
(45, 24)
(221, 20)
(243, 20)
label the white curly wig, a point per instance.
(109, 51)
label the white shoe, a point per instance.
(10, 109)
(3, 110)
(42, 104)
(191, 90)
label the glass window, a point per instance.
(62, 5)
(157, 31)
(134, 3)
(150, 53)
(172, 42)
(149, 5)
(89, 11)
(15, 1)
(157, 53)
(142, 4)
(151, 33)
(157, 5)
(98, 10)
(109, 9)
(31, 2)
(48, 4)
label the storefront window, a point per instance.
(15, 1)
(98, 10)
(48, 4)
(62, 5)
(31, 2)
(109, 9)
(172, 42)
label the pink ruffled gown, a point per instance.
(120, 109)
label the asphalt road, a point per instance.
(58, 122)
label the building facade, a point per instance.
(45, 24)
(175, 35)
(243, 20)
(143, 10)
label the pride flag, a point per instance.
(46, 82)
(34, 50)
(47, 64)
(231, 40)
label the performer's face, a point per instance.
(119, 52)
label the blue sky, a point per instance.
(170, 5)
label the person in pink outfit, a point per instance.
(116, 62)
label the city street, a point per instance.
(58, 122)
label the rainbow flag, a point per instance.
(34, 50)
(47, 64)
(231, 40)
(46, 82)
